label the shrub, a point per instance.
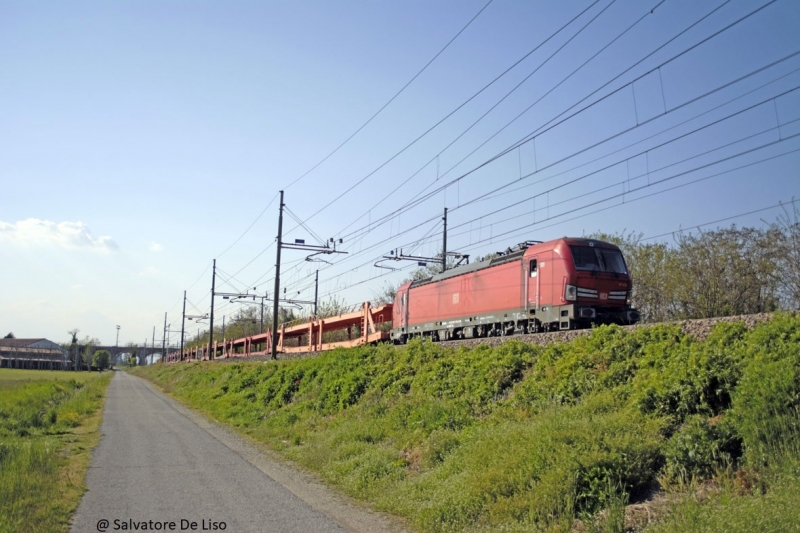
(766, 404)
(101, 359)
(690, 377)
(699, 449)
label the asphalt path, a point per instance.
(160, 466)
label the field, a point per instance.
(10, 376)
(48, 425)
(648, 430)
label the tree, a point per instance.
(88, 344)
(286, 315)
(486, 257)
(386, 294)
(727, 272)
(244, 323)
(723, 272)
(333, 306)
(101, 359)
(787, 268)
(655, 272)
(10, 336)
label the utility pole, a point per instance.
(396, 255)
(299, 244)
(316, 292)
(211, 328)
(262, 316)
(169, 335)
(276, 294)
(153, 345)
(164, 341)
(183, 320)
(116, 347)
(444, 242)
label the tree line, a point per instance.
(83, 353)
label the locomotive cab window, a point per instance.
(614, 262)
(533, 268)
(598, 260)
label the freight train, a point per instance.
(562, 284)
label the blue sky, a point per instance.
(140, 140)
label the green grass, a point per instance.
(523, 438)
(48, 424)
(8, 375)
(768, 504)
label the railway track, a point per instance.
(698, 328)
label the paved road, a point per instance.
(159, 462)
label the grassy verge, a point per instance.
(48, 425)
(761, 501)
(524, 438)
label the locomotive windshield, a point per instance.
(598, 259)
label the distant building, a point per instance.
(33, 353)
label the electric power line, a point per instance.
(447, 116)
(352, 135)
(391, 99)
(464, 132)
(550, 125)
(352, 256)
(732, 217)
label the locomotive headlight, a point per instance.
(571, 294)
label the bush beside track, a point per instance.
(610, 430)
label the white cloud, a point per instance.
(149, 271)
(155, 247)
(76, 287)
(70, 235)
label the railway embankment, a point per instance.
(689, 426)
(699, 328)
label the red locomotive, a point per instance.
(537, 286)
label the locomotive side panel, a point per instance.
(486, 291)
